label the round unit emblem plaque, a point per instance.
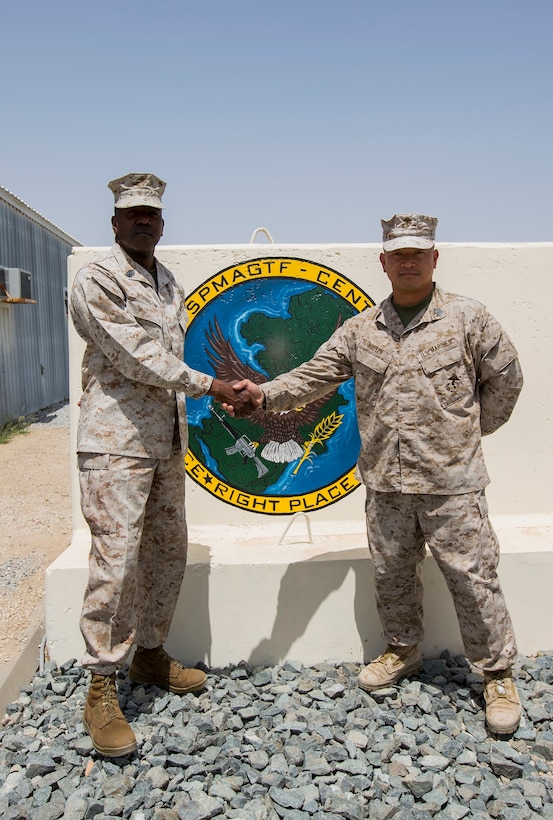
(255, 320)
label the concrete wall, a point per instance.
(248, 596)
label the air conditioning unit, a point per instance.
(15, 283)
(4, 282)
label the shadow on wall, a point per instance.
(304, 589)
(326, 596)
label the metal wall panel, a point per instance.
(34, 357)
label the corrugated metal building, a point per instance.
(34, 357)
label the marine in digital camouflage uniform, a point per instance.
(131, 441)
(433, 372)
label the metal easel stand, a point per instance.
(262, 230)
(289, 524)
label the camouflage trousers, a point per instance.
(461, 539)
(135, 510)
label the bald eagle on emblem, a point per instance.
(281, 438)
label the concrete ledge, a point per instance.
(18, 672)
(247, 597)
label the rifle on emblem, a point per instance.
(242, 445)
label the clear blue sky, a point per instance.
(314, 118)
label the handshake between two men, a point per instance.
(238, 398)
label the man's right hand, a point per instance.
(236, 397)
(246, 393)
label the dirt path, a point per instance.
(35, 526)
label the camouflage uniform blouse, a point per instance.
(133, 362)
(425, 393)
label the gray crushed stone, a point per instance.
(56, 415)
(287, 741)
(15, 570)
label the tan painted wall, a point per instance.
(514, 281)
(250, 593)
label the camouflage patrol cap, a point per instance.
(408, 231)
(133, 190)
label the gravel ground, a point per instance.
(15, 570)
(35, 520)
(287, 742)
(57, 415)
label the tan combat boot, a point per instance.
(503, 709)
(395, 663)
(157, 667)
(104, 721)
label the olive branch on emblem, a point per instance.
(323, 431)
